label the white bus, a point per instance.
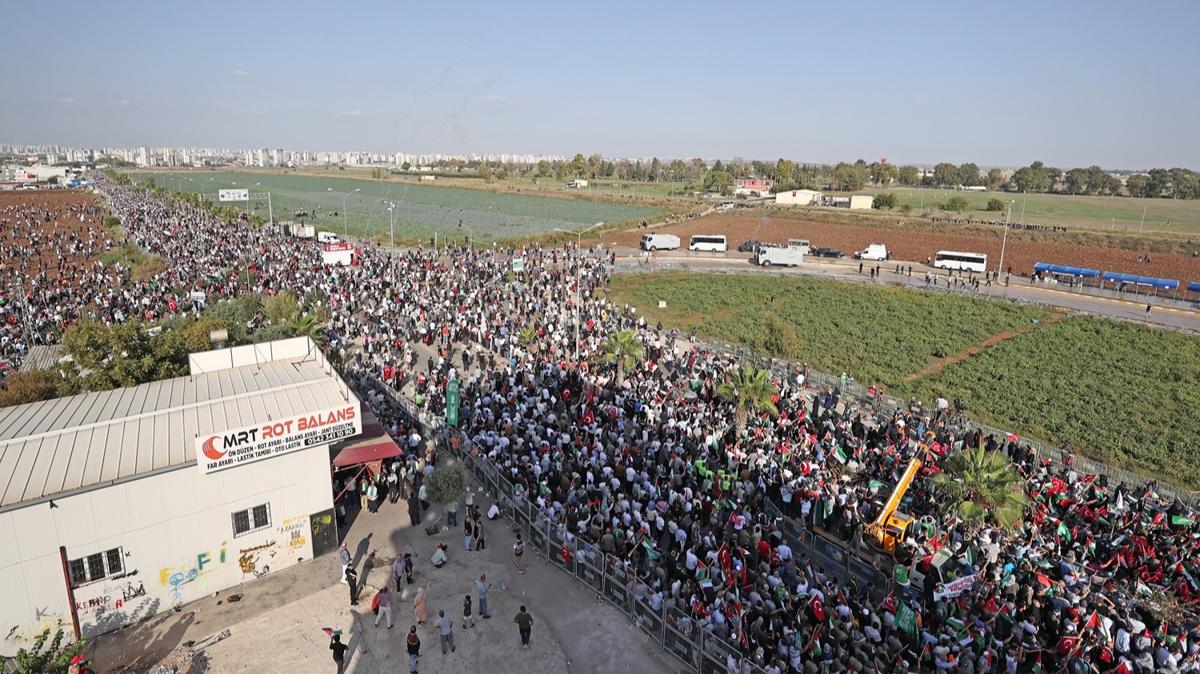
(714, 243)
(949, 259)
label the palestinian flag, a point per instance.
(1063, 532)
(840, 455)
(1181, 521)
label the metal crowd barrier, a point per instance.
(675, 632)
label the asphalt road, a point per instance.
(1020, 290)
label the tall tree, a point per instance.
(750, 390)
(945, 173)
(909, 175)
(995, 179)
(981, 486)
(968, 174)
(849, 177)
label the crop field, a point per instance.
(1102, 213)
(420, 210)
(1119, 392)
(1122, 393)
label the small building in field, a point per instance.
(119, 505)
(752, 187)
(860, 202)
(798, 198)
(428, 178)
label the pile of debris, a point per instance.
(189, 657)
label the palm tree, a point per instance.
(625, 350)
(751, 389)
(982, 485)
(308, 325)
(527, 336)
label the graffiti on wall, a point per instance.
(44, 619)
(294, 529)
(176, 578)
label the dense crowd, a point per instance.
(646, 465)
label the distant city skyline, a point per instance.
(1070, 84)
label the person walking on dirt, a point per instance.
(524, 623)
(518, 552)
(414, 649)
(1147, 309)
(339, 652)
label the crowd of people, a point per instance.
(646, 465)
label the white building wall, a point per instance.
(176, 532)
(861, 202)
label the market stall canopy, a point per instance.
(1194, 286)
(1066, 270)
(371, 448)
(1165, 283)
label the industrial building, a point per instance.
(119, 505)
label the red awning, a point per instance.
(367, 450)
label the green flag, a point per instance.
(906, 620)
(900, 575)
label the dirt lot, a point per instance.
(1021, 253)
(47, 231)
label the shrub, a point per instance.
(956, 204)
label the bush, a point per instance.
(446, 484)
(48, 655)
(28, 387)
(884, 200)
(995, 204)
(956, 204)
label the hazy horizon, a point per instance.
(1070, 84)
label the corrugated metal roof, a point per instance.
(68, 444)
(41, 357)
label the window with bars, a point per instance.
(252, 519)
(97, 566)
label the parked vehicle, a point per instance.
(303, 231)
(875, 252)
(802, 244)
(725, 206)
(750, 246)
(948, 259)
(789, 257)
(659, 242)
(820, 251)
(328, 237)
(712, 243)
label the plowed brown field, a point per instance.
(37, 231)
(916, 246)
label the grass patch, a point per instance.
(143, 265)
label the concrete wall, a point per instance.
(176, 532)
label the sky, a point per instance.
(999, 84)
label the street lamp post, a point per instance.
(345, 222)
(1004, 241)
(578, 277)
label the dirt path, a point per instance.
(943, 363)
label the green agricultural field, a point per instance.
(421, 210)
(1122, 393)
(877, 334)
(1102, 213)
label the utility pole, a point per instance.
(1142, 228)
(1004, 241)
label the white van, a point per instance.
(875, 252)
(802, 244)
(328, 237)
(788, 257)
(713, 243)
(659, 242)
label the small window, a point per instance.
(251, 519)
(97, 566)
